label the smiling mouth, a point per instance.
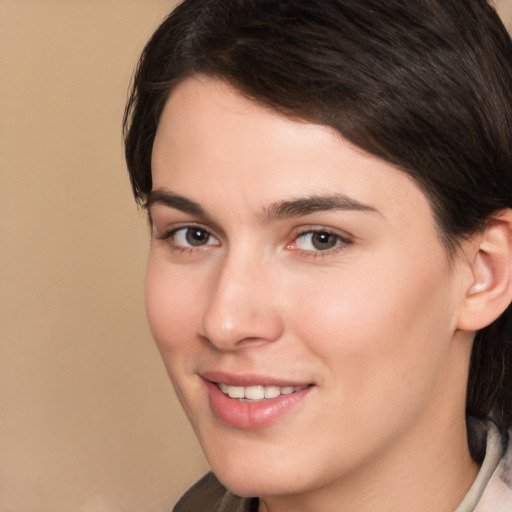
(257, 393)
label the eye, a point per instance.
(319, 240)
(192, 236)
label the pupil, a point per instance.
(324, 241)
(197, 237)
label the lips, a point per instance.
(250, 403)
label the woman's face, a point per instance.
(286, 263)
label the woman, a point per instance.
(329, 189)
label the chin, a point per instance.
(248, 484)
(251, 475)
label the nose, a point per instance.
(243, 308)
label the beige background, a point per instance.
(88, 421)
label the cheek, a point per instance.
(379, 327)
(169, 296)
(173, 320)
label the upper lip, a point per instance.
(243, 380)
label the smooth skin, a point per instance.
(359, 300)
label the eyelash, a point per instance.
(341, 242)
(171, 235)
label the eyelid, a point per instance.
(344, 239)
(169, 232)
(166, 216)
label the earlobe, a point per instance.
(490, 291)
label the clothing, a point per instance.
(491, 491)
(209, 495)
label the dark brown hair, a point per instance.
(423, 84)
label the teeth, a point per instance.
(257, 392)
(254, 392)
(272, 391)
(235, 392)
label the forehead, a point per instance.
(202, 111)
(214, 145)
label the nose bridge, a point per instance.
(242, 306)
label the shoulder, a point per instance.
(209, 495)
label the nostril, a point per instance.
(241, 310)
(245, 332)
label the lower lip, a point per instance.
(249, 415)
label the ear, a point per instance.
(490, 291)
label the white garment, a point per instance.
(492, 489)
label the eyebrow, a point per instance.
(175, 201)
(303, 206)
(291, 208)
